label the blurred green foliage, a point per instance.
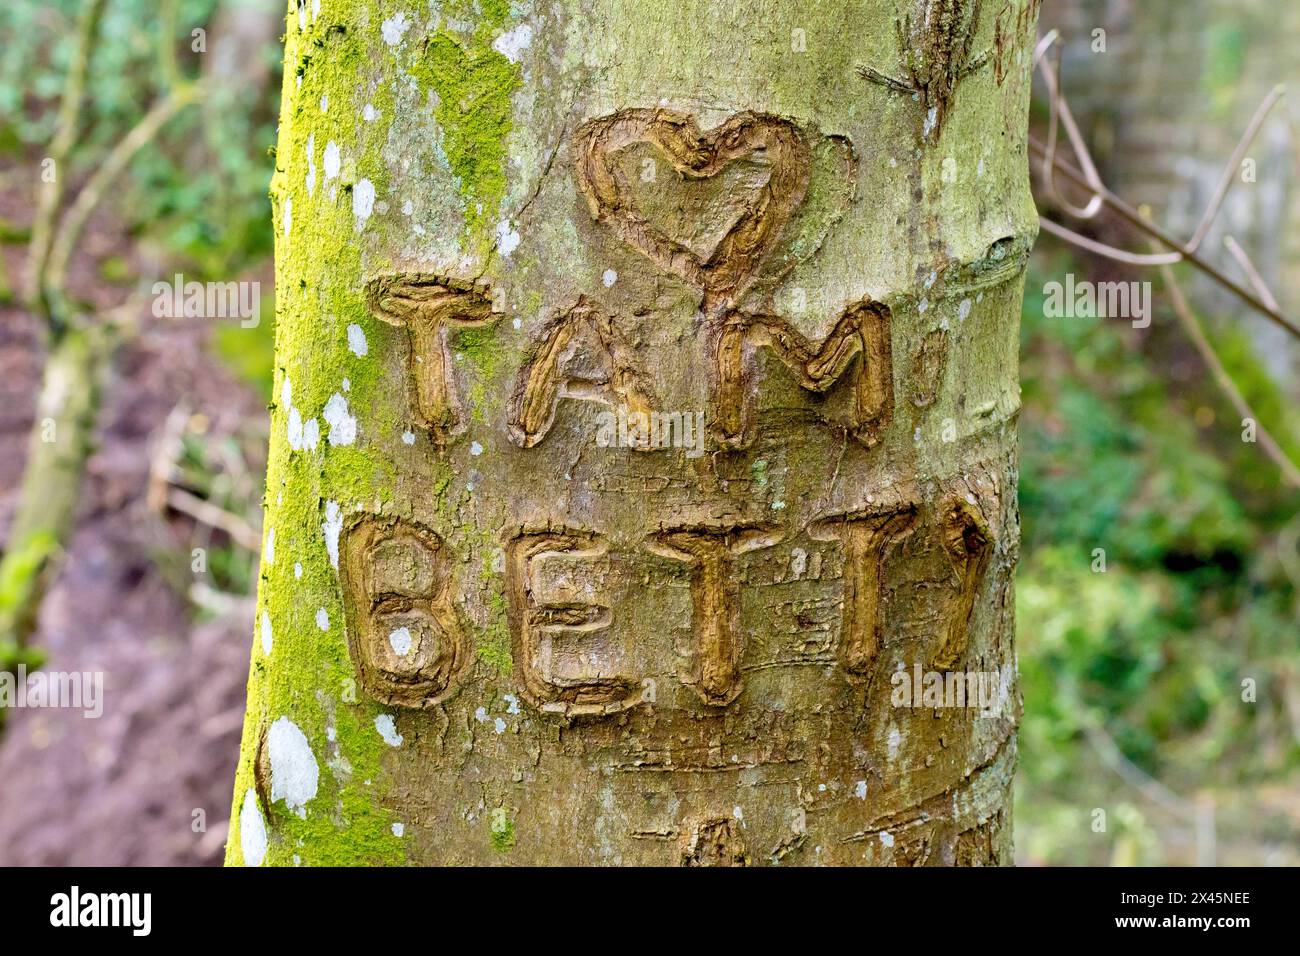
(200, 190)
(249, 352)
(1192, 599)
(195, 198)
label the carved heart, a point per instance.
(722, 268)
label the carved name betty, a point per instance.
(570, 649)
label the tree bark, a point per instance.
(61, 440)
(645, 413)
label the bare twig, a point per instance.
(1088, 179)
(1194, 332)
(65, 133)
(205, 512)
(1252, 273)
(1060, 109)
(1106, 250)
(1192, 812)
(1134, 218)
(97, 186)
(1234, 164)
(168, 63)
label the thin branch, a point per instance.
(168, 63)
(97, 186)
(1108, 251)
(1194, 331)
(1059, 108)
(205, 512)
(1044, 45)
(1137, 778)
(1234, 163)
(1135, 219)
(1248, 267)
(1088, 179)
(1114, 757)
(65, 134)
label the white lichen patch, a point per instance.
(513, 43)
(500, 821)
(332, 528)
(333, 160)
(609, 278)
(357, 344)
(287, 217)
(322, 619)
(507, 238)
(252, 830)
(294, 772)
(268, 549)
(860, 790)
(895, 738)
(394, 28)
(399, 829)
(931, 118)
(499, 725)
(266, 634)
(363, 199)
(475, 448)
(369, 113)
(311, 163)
(293, 428)
(387, 728)
(886, 838)
(343, 426)
(400, 641)
(408, 437)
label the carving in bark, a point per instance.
(568, 653)
(580, 355)
(404, 633)
(969, 544)
(868, 538)
(714, 666)
(429, 307)
(727, 272)
(655, 658)
(862, 332)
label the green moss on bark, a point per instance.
(473, 83)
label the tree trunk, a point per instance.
(61, 440)
(644, 428)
